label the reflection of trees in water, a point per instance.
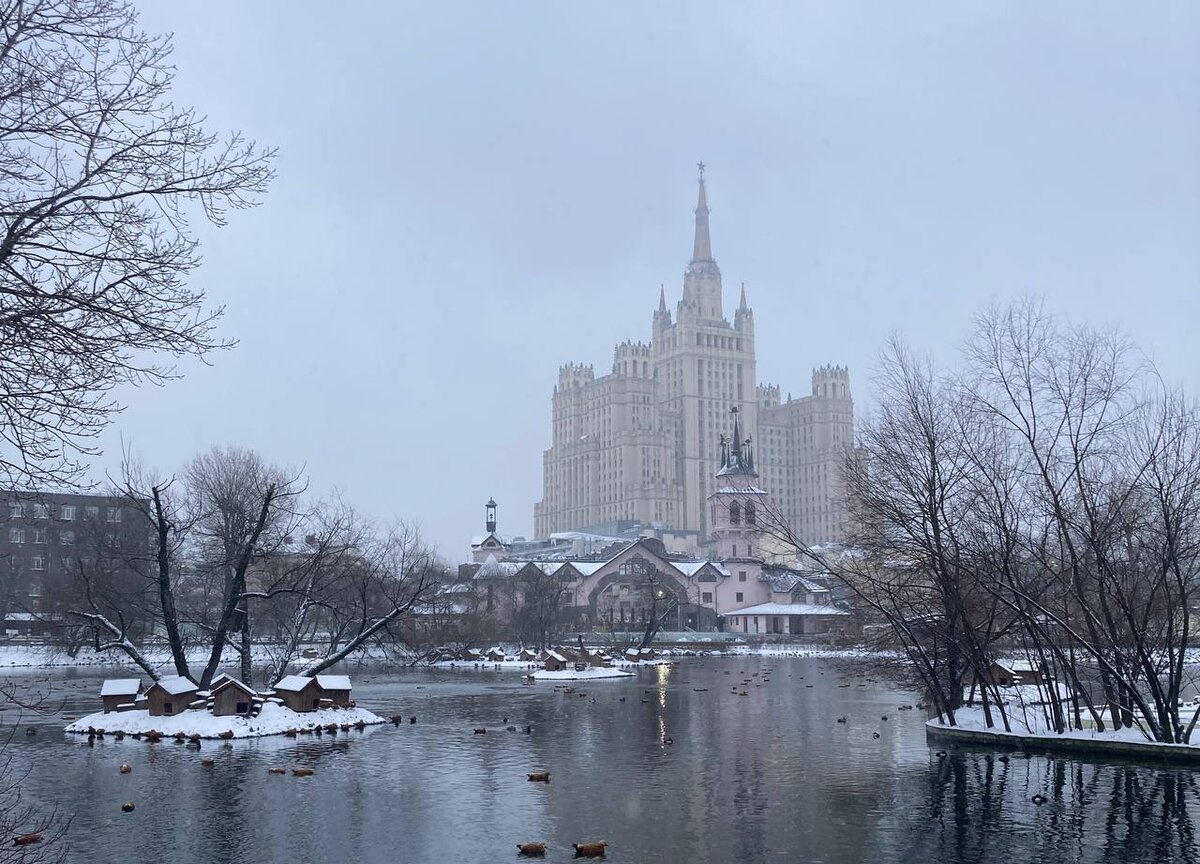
(977, 804)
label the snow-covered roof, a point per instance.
(740, 490)
(334, 682)
(785, 609)
(495, 649)
(493, 569)
(120, 687)
(479, 540)
(176, 685)
(293, 683)
(691, 568)
(783, 579)
(587, 568)
(554, 655)
(229, 681)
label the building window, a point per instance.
(734, 551)
(67, 513)
(91, 512)
(67, 538)
(735, 514)
(738, 597)
(113, 514)
(41, 511)
(39, 535)
(14, 509)
(16, 535)
(706, 597)
(68, 562)
(741, 575)
(37, 562)
(750, 517)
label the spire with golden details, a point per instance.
(702, 248)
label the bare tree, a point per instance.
(100, 175)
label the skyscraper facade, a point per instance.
(639, 444)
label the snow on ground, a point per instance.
(571, 675)
(273, 720)
(807, 651)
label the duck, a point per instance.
(668, 740)
(841, 720)
(589, 850)
(276, 770)
(941, 754)
(1039, 799)
(28, 839)
(528, 730)
(874, 734)
(207, 762)
(302, 772)
(538, 776)
(127, 807)
(481, 731)
(531, 850)
(125, 768)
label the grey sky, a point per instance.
(505, 186)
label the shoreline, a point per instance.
(198, 723)
(1097, 746)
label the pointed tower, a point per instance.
(737, 505)
(662, 315)
(702, 279)
(743, 318)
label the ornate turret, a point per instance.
(737, 456)
(490, 516)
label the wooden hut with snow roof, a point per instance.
(335, 689)
(554, 661)
(299, 692)
(527, 655)
(118, 694)
(495, 654)
(230, 698)
(169, 696)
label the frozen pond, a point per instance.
(769, 776)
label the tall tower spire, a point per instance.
(702, 279)
(662, 300)
(702, 248)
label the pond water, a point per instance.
(769, 776)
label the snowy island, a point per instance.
(175, 707)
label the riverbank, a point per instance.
(1031, 733)
(272, 720)
(591, 673)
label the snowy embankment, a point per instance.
(272, 720)
(810, 651)
(1031, 731)
(590, 673)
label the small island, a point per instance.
(175, 707)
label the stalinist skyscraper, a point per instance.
(642, 443)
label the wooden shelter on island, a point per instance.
(304, 693)
(169, 696)
(555, 662)
(119, 694)
(230, 697)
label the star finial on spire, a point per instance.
(701, 166)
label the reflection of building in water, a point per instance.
(620, 585)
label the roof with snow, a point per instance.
(176, 685)
(785, 609)
(554, 655)
(230, 681)
(783, 579)
(334, 682)
(500, 539)
(120, 687)
(493, 569)
(293, 683)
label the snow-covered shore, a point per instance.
(273, 720)
(1030, 731)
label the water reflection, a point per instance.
(978, 807)
(762, 777)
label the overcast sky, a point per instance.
(470, 195)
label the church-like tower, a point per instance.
(737, 506)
